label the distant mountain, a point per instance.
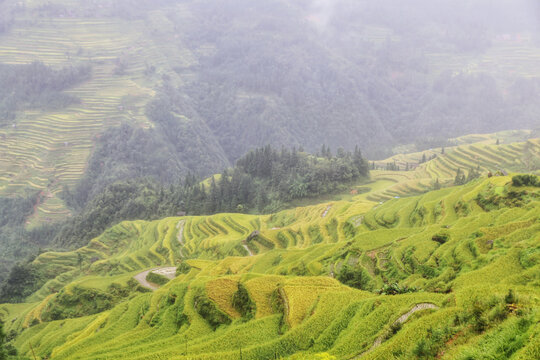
(199, 83)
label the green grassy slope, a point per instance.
(461, 259)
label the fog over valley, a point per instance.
(269, 179)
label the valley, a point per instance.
(306, 180)
(447, 253)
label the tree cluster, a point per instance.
(526, 180)
(23, 280)
(264, 180)
(461, 179)
(124, 153)
(36, 86)
(16, 242)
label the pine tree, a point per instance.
(498, 142)
(328, 152)
(460, 177)
(423, 159)
(442, 150)
(437, 184)
(210, 205)
(473, 174)
(323, 150)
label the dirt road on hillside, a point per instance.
(247, 249)
(402, 319)
(169, 272)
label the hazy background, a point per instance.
(95, 92)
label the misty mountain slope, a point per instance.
(230, 76)
(393, 89)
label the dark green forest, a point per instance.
(15, 241)
(36, 86)
(3, 354)
(123, 153)
(329, 86)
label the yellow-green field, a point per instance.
(478, 152)
(291, 272)
(391, 269)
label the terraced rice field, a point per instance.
(46, 150)
(300, 310)
(506, 57)
(478, 152)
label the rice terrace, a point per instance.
(238, 179)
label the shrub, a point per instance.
(428, 347)
(498, 313)
(300, 269)
(183, 268)
(395, 289)
(478, 319)
(209, 311)
(278, 306)
(462, 208)
(526, 180)
(156, 279)
(441, 237)
(355, 277)
(3, 354)
(242, 302)
(77, 302)
(510, 298)
(118, 290)
(421, 349)
(277, 260)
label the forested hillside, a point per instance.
(264, 179)
(206, 82)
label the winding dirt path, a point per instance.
(169, 272)
(402, 319)
(247, 249)
(326, 211)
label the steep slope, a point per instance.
(45, 150)
(463, 259)
(232, 76)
